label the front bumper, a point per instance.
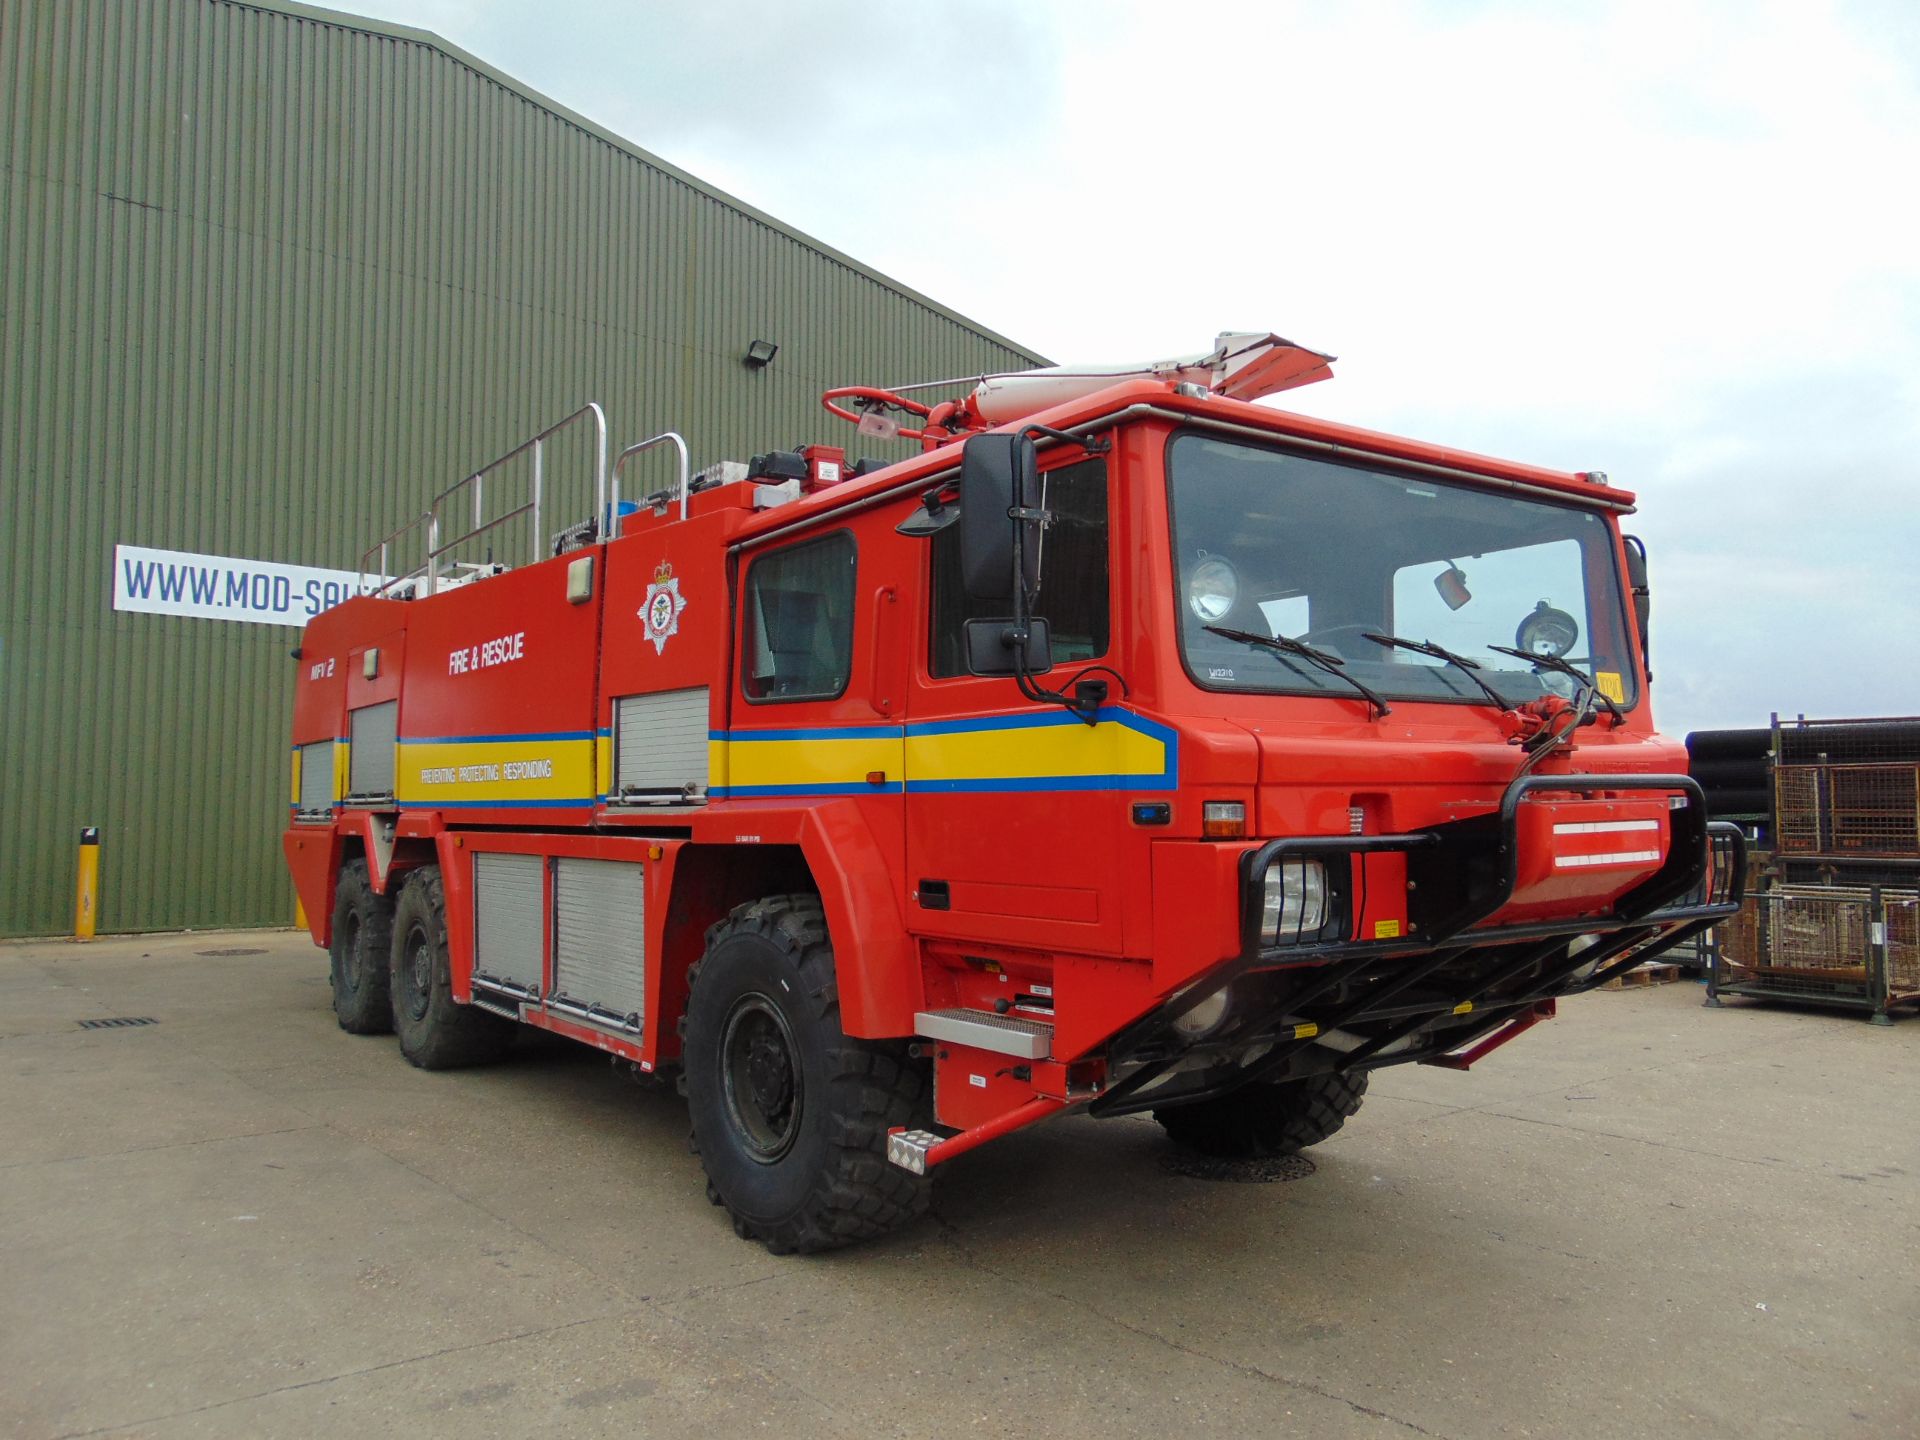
(1450, 981)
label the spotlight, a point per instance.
(760, 354)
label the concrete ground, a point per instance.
(1645, 1218)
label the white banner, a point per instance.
(219, 587)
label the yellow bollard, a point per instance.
(87, 888)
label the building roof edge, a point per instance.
(392, 30)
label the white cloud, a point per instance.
(1675, 241)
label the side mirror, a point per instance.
(993, 650)
(998, 474)
(1642, 595)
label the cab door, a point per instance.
(1017, 813)
(816, 699)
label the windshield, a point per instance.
(1276, 544)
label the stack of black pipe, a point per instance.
(1735, 769)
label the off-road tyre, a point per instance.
(790, 1115)
(1267, 1118)
(436, 1032)
(358, 956)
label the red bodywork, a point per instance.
(1057, 900)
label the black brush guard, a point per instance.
(1443, 985)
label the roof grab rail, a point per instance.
(440, 507)
(668, 437)
(383, 548)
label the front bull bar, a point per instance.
(1476, 859)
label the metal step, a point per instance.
(984, 1030)
(908, 1149)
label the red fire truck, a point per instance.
(1132, 747)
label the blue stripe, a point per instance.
(954, 787)
(1112, 713)
(583, 804)
(850, 787)
(820, 732)
(495, 739)
(1041, 782)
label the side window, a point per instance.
(1074, 587)
(799, 637)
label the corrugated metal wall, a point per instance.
(269, 277)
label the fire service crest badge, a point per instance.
(661, 613)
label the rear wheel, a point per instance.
(1266, 1118)
(362, 936)
(790, 1114)
(436, 1032)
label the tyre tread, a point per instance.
(450, 1035)
(1266, 1119)
(365, 1010)
(856, 1195)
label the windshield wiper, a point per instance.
(1321, 659)
(1471, 668)
(1580, 677)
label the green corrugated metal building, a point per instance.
(270, 276)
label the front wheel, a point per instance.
(790, 1114)
(1267, 1118)
(436, 1031)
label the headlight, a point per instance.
(1212, 589)
(1546, 631)
(1294, 904)
(1205, 1017)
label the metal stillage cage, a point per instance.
(1837, 922)
(1831, 945)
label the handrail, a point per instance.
(610, 518)
(381, 548)
(430, 565)
(436, 548)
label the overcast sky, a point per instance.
(1676, 242)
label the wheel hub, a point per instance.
(352, 962)
(760, 1079)
(419, 974)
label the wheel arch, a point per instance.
(874, 960)
(833, 853)
(709, 883)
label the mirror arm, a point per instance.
(1088, 695)
(1021, 630)
(1091, 446)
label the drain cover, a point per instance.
(1195, 1166)
(232, 950)
(118, 1022)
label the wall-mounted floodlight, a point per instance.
(760, 354)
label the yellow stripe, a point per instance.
(1016, 755)
(510, 769)
(755, 763)
(296, 775)
(1305, 1032)
(1035, 752)
(1464, 1007)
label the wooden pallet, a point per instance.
(1651, 973)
